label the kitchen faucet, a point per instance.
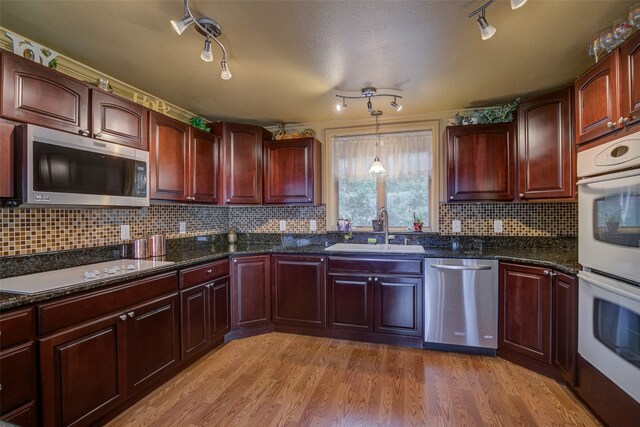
(385, 223)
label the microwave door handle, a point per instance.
(461, 267)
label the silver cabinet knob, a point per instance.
(98, 135)
(131, 314)
(209, 271)
(547, 272)
(375, 279)
(228, 201)
(450, 197)
(610, 125)
(370, 279)
(235, 261)
(123, 317)
(521, 195)
(321, 259)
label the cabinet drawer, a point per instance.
(203, 273)
(70, 311)
(16, 327)
(375, 266)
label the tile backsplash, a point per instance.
(25, 231)
(518, 219)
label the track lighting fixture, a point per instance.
(486, 30)
(368, 93)
(210, 29)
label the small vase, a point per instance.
(417, 226)
(232, 236)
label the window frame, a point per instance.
(331, 184)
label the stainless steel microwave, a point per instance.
(59, 169)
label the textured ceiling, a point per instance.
(289, 57)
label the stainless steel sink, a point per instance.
(363, 247)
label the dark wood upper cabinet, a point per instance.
(241, 163)
(33, 93)
(6, 159)
(630, 80)
(597, 99)
(292, 171)
(481, 162)
(114, 119)
(169, 159)
(546, 155)
(524, 321)
(250, 291)
(204, 167)
(564, 295)
(299, 290)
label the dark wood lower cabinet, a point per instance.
(19, 382)
(218, 304)
(299, 290)
(153, 333)
(397, 302)
(83, 371)
(351, 303)
(537, 322)
(250, 294)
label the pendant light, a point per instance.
(376, 167)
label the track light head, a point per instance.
(179, 25)
(394, 104)
(486, 30)
(369, 106)
(340, 107)
(207, 55)
(517, 4)
(225, 74)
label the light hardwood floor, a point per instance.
(282, 379)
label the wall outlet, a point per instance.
(283, 225)
(183, 227)
(497, 226)
(456, 226)
(313, 226)
(125, 232)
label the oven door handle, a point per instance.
(608, 177)
(615, 286)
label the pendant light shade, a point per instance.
(486, 30)
(179, 25)
(376, 167)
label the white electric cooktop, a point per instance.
(43, 282)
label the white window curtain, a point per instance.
(402, 154)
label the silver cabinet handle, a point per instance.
(131, 314)
(370, 279)
(461, 267)
(123, 317)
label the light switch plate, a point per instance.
(456, 226)
(283, 225)
(183, 227)
(125, 232)
(313, 226)
(497, 226)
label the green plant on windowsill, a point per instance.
(417, 222)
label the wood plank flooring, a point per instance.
(292, 380)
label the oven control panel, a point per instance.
(623, 153)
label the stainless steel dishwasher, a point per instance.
(461, 305)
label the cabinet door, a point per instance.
(152, 340)
(168, 158)
(6, 159)
(480, 162)
(597, 99)
(35, 94)
(299, 291)
(291, 171)
(25, 416)
(545, 147)
(241, 164)
(351, 303)
(398, 305)
(115, 120)
(565, 325)
(524, 313)
(17, 377)
(630, 79)
(195, 320)
(250, 296)
(204, 167)
(219, 319)
(82, 372)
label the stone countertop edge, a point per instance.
(561, 260)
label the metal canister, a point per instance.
(157, 245)
(139, 248)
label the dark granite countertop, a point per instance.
(565, 260)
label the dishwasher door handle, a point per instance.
(461, 267)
